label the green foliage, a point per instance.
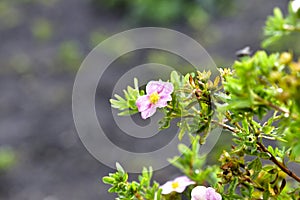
(42, 30)
(96, 37)
(7, 158)
(192, 164)
(133, 190)
(9, 15)
(166, 11)
(191, 102)
(257, 102)
(278, 26)
(260, 87)
(127, 104)
(69, 55)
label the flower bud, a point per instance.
(285, 58)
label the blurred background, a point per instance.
(43, 43)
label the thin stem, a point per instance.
(279, 164)
(275, 107)
(267, 103)
(225, 126)
(288, 27)
(264, 149)
(228, 116)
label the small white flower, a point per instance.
(177, 185)
(295, 5)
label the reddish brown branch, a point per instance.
(264, 149)
(279, 164)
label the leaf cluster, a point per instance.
(260, 103)
(192, 164)
(142, 190)
(277, 26)
(127, 105)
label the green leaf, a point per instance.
(184, 127)
(183, 149)
(278, 13)
(233, 185)
(256, 165)
(120, 168)
(127, 105)
(108, 180)
(175, 80)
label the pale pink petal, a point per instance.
(199, 193)
(160, 87)
(167, 97)
(167, 187)
(148, 112)
(181, 183)
(211, 194)
(143, 103)
(184, 181)
(168, 89)
(154, 86)
(161, 104)
(163, 101)
(203, 193)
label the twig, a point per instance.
(288, 27)
(279, 164)
(225, 126)
(264, 149)
(277, 108)
(267, 103)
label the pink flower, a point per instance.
(177, 185)
(158, 94)
(204, 193)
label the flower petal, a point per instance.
(148, 112)
(199, 193)
(160, 87)
(168, 88)
(167, 188)
(143, 103)
(161, 104)
(295, 5)
(180, 189)
(184, 181)
(167, 97)
(211, 194)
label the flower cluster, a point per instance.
(179, 185)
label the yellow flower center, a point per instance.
(154, 97)
(175, 185)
